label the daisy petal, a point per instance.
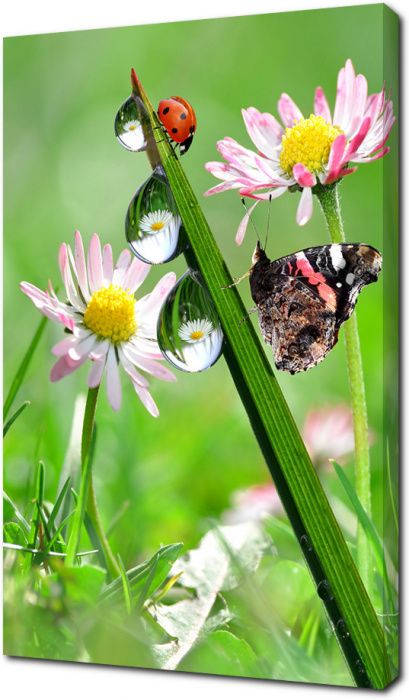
(303, 176)
(288, 111)
(113, 383)
(241, 231)
(94, 262)
(64, 366)
(321, 108)
(121, 268)
(95, 374)
(80, 266)
(135, 275)
(107, 265)
(146, 399)
(304, 211)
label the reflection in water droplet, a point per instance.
(305, 543)
(324, 590)
(189, 331)
(342, 628)
(128, 128)
(153, 227)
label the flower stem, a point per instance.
(87, 500)
(329, 201)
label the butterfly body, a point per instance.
(303, 298)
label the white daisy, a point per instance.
(195, 331)
(160, 236)
(107, 324)
(131, 135)
(155, 221)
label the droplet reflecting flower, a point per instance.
(153, 227)
(195, 331)
(128, 128)
(189, 331)
(155, 221)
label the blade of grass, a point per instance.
(14, 417)
(367, 526)
(93, 536)
(34, 551)
(75, 535)
(57, 504)
(20, 374)
(331, 566)
(126, 586)
(17, 513)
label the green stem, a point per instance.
(87, 500)
(328, 198)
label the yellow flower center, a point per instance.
(132, 128)
(111, 314)
(196, 335)
(308, 142)
(157, 226)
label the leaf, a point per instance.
(368, 526)
(13, 534)
(14, 417)
(224, 654)
(10, 511)
(161, 562)
(81, 583)
(224, 556)
(18, 379)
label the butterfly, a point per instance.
(303, 299)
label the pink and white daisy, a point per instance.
(106, 323)
(306, 152)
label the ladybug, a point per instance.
(179, 120)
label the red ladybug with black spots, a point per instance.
(179, 120)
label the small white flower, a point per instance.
(195, 331)
(131, 135)
(155, 221)
(131, 125)
(107, 324)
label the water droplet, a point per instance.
(153, 226)
(189, 331)
(305, 543)
(324, 590)
(342, 628)
(128, 127)
(360, 667)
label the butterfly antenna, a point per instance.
(252, 222)
(268, 219)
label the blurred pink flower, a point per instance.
(328, 433)
(252, 503)
(305, 152)
(106, 323)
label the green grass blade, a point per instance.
(14, 417)
(325, 550)
(20, 374)
(126, 586)
(17, 513)
(368, 526)
(93, 536)
(58, 504)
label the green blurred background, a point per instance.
(64, 169)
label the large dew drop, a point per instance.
(153, 227)
(128, 128)
(189, 332)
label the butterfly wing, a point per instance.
(304, 298)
